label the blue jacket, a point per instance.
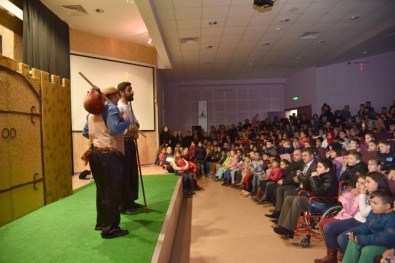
(112, 119)
(377, 230)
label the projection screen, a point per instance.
(108, 72)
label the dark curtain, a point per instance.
(46, 43)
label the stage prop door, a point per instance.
(21, 173)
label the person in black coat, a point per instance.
(165, 137)
(200, 157)
(287, 180)
(322, 182)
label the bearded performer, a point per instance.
(130, 187)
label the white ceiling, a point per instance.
(239, 40)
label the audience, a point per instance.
(256, 157)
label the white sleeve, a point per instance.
(364, 207)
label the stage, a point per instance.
(64, 231)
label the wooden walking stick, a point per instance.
(141, 176)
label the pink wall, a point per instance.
(232, 101)
(227, 101)
(303, 85)
(356, 81)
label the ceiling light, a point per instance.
(365, 52)
(149, 41)
(354, 17)
(285, 20)
(99, 10)
(189, 40)
(130, 2)
(310, 35)
(278, 28)
(212, 23)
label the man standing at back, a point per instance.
(130, 186)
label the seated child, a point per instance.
(181, 167)
(161, 157)
(273, 175)
(222, 167)
(377, 234)
(246, 173)
(168, 158)
(258, 172)
(349, 199)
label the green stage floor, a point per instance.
(63, 231)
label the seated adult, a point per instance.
(277, 192)
(322, 182)
(299, 178)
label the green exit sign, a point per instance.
(295, 98)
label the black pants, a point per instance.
(130, 183)
(283, 191)
(107, 171)
(271, 192)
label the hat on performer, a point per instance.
(109, 90)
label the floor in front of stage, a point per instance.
(220, 225)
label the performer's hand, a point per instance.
(134, 131)
(122, 115)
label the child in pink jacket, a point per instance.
(350, 203)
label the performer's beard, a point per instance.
(129, 98)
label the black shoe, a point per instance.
(284, 232)
(97, 227)
(117, 233)
(275, 214)
(136, 206)
(264, 201)
(275, 221)
(129, 211)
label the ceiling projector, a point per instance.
(263, 3)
